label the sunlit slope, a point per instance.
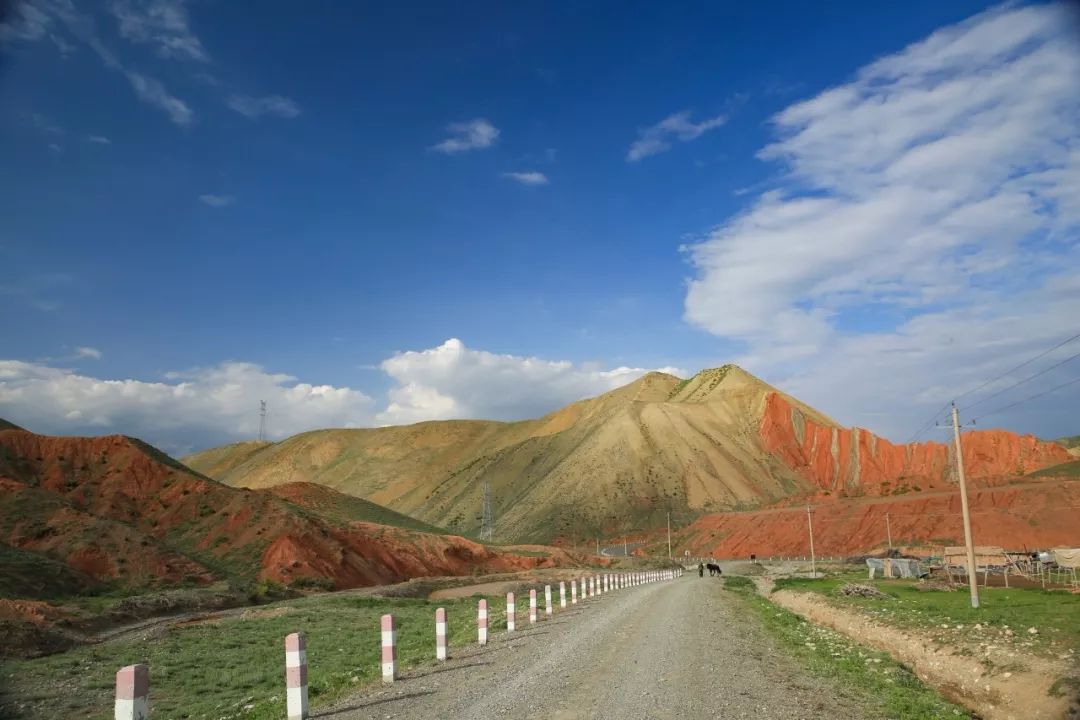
(605, 465)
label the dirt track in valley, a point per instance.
(681, 649)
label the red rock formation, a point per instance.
(119, 511)
(1017, 517)
(855, 461)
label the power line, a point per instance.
(929, 423)
(1030, 397)
(1021, 382)
(1021, 365)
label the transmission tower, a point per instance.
(262, 420)
(487, 529)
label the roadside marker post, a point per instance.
(440, 634)
(482, 622)
(562, 595)
(510, 613)
(389, 649)
(532, 606)
(548, 610)
(133, 693)
(296, 681)
(573, 592)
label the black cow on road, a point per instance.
(714, 569)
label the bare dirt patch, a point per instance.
(1024, 691)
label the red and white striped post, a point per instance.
(607, 583)
(481, 621)
(573, 592)
(548, 610)
(133, 693)
(296, 685)
(584, 594)
(562, 594)
(592, 586)
(510, 613)
(389, 649)
(532, 606)
(440, 633)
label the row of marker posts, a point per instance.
(133, 681)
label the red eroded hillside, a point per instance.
(855, 461)
(1033, 515)
(123, 513)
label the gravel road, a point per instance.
(680, 649)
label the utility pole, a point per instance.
(262, 420)
(487, 528)
(597, 546)
(669, 535)
(813, 561)
(973, 582)
(888, 530)
(625, 547)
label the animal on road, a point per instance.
(700, 570)
(714, 569)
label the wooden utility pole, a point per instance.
(973, 582)
(813, 561)
(888, 530)
(669, 535)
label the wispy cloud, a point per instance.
(659, 137)
(99, 139)
(924, 230)
(38, 16)
(257, 107)
(473, 135)
(152, 92)
(527, 178)
(161, 23)
(217, 200)
(88, 352)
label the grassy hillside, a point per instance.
(599, 467)
(1069, 469)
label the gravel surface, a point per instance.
(681, 649)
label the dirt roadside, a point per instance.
(1022, 693)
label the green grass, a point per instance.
(1055, 614)
(1068, 469)
(873, 676)
(215, 670)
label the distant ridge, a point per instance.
(619, 462)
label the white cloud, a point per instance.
(152, 92)
(658, 138)
(528, 178)
(217, 200)
(188, 410)
(257, 107)
(161, 23)
(473, 135)
(88, 352)
(99, 139)
(928, 207)
(453, 381)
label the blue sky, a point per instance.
(387, 214)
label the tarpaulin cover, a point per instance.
(898, 567)
(1067, 557)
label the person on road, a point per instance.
(700, 570)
